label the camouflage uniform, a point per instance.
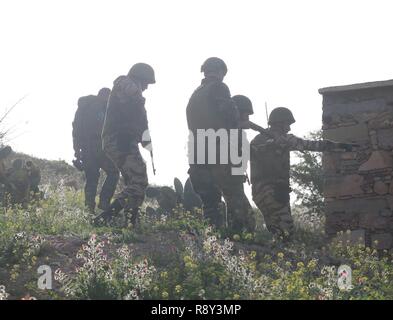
(125, 123)
(270, 165)
(4, 153)
(18, 183)
(87, 129)
(211, 107)
(34, 177)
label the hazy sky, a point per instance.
(276, 51)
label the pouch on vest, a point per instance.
(123, 142)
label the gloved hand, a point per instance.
(146, 144)
(78, 164)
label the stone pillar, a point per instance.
(358, 185)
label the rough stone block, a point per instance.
(386, 212)
(340, 222)
(375, 221)
(357, 133)
(353, 237)
(343, 186)
(381, 241)
(349, 155)
(377, 161)
(385, 138)
(373, 105)
(330, 163)
(381, 188)
(359, 206)
(351, 185)
(389, 199)
(382, 120)
(391, 189)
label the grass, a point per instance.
(176, 256)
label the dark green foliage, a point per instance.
(307, 176)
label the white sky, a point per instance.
(276, 51)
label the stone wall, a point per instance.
(359, 185)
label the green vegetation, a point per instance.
(174, 256)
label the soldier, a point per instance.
(35, 178)
(18, 183)
(245, 108)
(270, 164)
(125, 127)
(211, 107)
(87, 129)
(4, 153)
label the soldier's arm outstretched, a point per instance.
(298, 144)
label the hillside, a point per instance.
(173, 255)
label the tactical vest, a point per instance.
(125, 121)
(203, 113)
(271, 164)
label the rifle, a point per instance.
(261, 130)
(248, 179)
(152, 161)
(256, 127)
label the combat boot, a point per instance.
(104, 204)
(107, 215)
(132, 217)
(90, 204)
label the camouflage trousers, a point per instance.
(211, 183)
(274, 204)
(133, 169)
(93, 162)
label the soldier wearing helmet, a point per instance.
(35, 179)
(212, 108)
(244, 106)
(270, 164)
(90, 158)
(125, 125)
(18, 183)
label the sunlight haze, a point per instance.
(279, 52)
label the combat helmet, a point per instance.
(104, 92)
(244, 104)
(281, 115)
(5, 152)
(214, 64)
(144, 72)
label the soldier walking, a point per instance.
(34, 173)
(211, 107)
(87, 129)
(125, 127)
(245, 108)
